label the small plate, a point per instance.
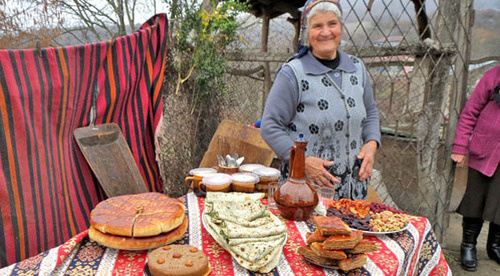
(146, 269)
(372, 233)
(321, 265)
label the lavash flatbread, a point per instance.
(236, 231)
(246, 229)
(256, 222)
(247, 240)
(254, 251)
(268, 261)
(232, 197)
(239, 211)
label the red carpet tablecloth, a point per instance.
(47, 188)
(414, 251)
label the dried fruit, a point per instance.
(189, 263)
(368, 216)
(193, 250)
(160, 260)
(177, 255)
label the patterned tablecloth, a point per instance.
(414, 251)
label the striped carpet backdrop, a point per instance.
(46, 187)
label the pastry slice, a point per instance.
(308, 253)
(317, 247)
(315, 237)
(362, 247)
(353, 262)
(331, 226)
(343, 241)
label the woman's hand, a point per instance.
(316, 172)
(367, 154)
(459, 158)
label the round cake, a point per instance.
(178, 260)
(143, 243)
(138, 215)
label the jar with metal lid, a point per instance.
(249, 168)
(244, 182)
(217, 182)
(266, 176)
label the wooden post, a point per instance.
(264, 42)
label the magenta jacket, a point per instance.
(478, 127)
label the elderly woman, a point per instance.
(325, 94)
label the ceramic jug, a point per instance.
(295, 198)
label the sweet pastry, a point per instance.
(244, 182)
(217, 182)
(128, 243)
(315, 237)
(343, 241)
(178, 260)
(138, 215)
(308, 253)
(363, 246)
(331, 226)
(353, 262)
(317, 247)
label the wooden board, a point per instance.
(109, 157)
(230, 138)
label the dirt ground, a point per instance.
(451, 249)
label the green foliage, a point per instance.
(202, 37)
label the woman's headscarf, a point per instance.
(302, 49)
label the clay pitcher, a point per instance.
(295, 198)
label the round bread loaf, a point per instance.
(178, 260)
(128, 243)
(139, 215)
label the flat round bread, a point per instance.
(127, 243)
(139, 215)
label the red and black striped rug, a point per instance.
(46, 187)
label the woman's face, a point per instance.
(325, 32)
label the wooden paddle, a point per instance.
(109, 156)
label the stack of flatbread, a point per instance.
(137, 222)
(246, 228)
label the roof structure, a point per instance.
(273, 8)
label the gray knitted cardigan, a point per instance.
(335, 109)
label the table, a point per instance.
(414, 251)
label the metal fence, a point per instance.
(418, 58)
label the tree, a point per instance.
(194, 83)
(106, 19)
(28, 24)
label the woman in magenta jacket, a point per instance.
(478, 131)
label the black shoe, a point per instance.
(493, 244)
(468, 254)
